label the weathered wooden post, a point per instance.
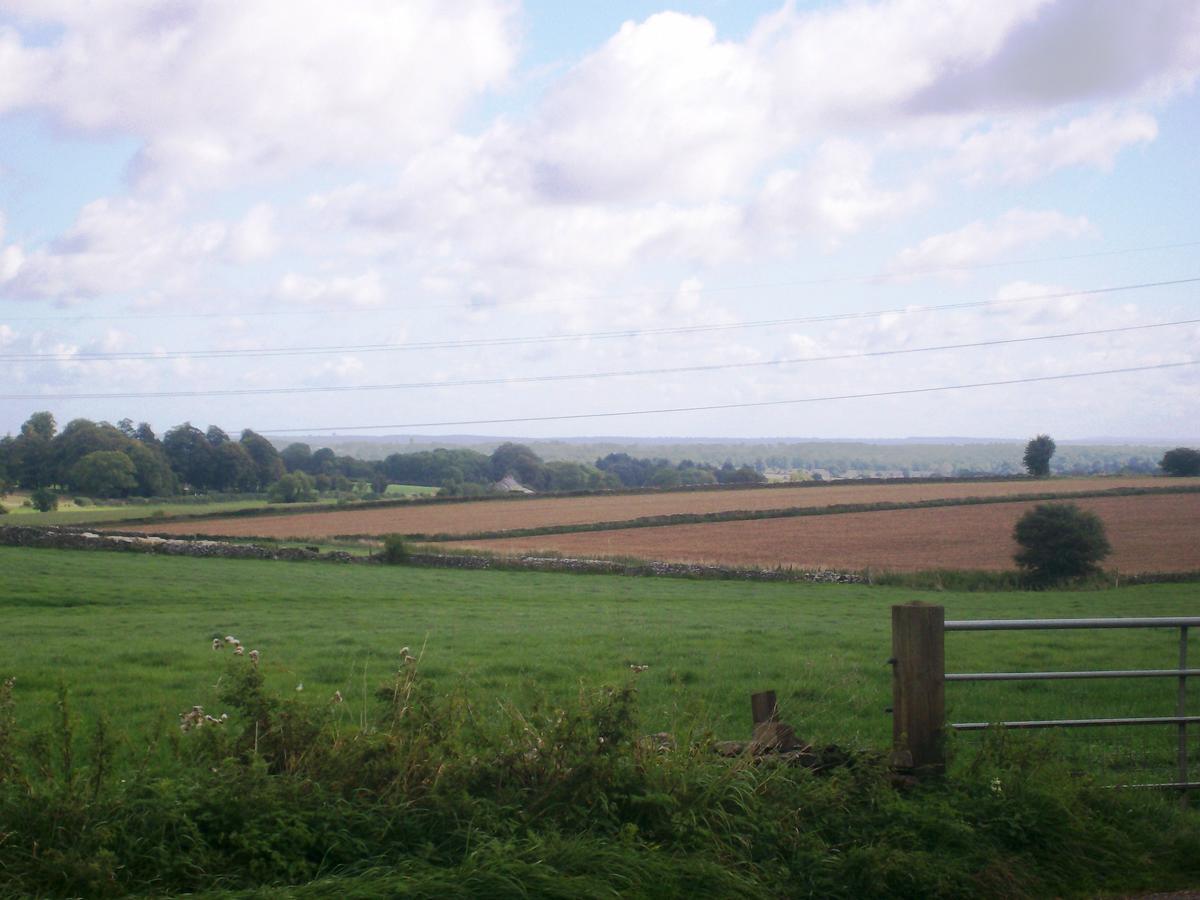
(918, 686)
(763, 708)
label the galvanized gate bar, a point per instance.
(1037, 624)
(1181, 706)
(1181, 720)
(1077, 723)
(1048, 676)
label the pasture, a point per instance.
(476, 516)
(514, 772)
(105, 625)
(1149, 533)
(111, 512)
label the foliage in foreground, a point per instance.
(301, 799)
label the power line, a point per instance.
(559, 338)
(723, 406)
(540, 379)
(809, 282)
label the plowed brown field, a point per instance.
(1148, 534)
(500, 515)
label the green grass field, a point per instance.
(69, 514)
(132, 634)
(479, 804)
(410, 490)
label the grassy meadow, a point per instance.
(100, 512)
(498, 764)
(132, 634)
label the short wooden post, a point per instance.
(763, 708)
(918, 686)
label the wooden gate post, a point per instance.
(918, 686)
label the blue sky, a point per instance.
(420, 217)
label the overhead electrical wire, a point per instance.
(724, 406)
(810, 282)
(559, 338)
(583, 376)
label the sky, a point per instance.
(717, 218)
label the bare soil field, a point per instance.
(1148, 534)
(499, 515)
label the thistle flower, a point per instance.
(638, 668)
(337, 696)
(253, 656)
(300, 686)
(230, 639)
(237, 650)
(217, 645)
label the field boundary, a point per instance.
(303, 508)
(744, 515)
(55, 538)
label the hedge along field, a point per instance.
(1149, 533)
(131, 635)
(466, 517)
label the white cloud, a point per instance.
(227, 88)
(117, 246)
(255, 236)
(342, 290)
(982, 242)
(836, 195)
(662, 111)
(1076, 50)
(1019, 151)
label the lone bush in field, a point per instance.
(1060, 540)
(44, 499)
(395, 551)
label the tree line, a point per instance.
(99, 459)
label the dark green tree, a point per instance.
(297, 457)
(1037, 455)
(44, 499)
(1060, 540)
(1181, 462)
(216, 436)
(145, 434)
(152, 471)
(295, 487)
(520, 462)
(233, 469)
(104, 473)
(190, 455)
(268, 465)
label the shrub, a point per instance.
(44, 499)
(1060, 540)
(292, 488)
(395, 550)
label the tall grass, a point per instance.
(423, 798)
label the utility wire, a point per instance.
(559, 338)
(723, 406)
(540, 379)
(810, 282)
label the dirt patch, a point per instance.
(500, 515)
(1155, 533)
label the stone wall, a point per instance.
(79, 539)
